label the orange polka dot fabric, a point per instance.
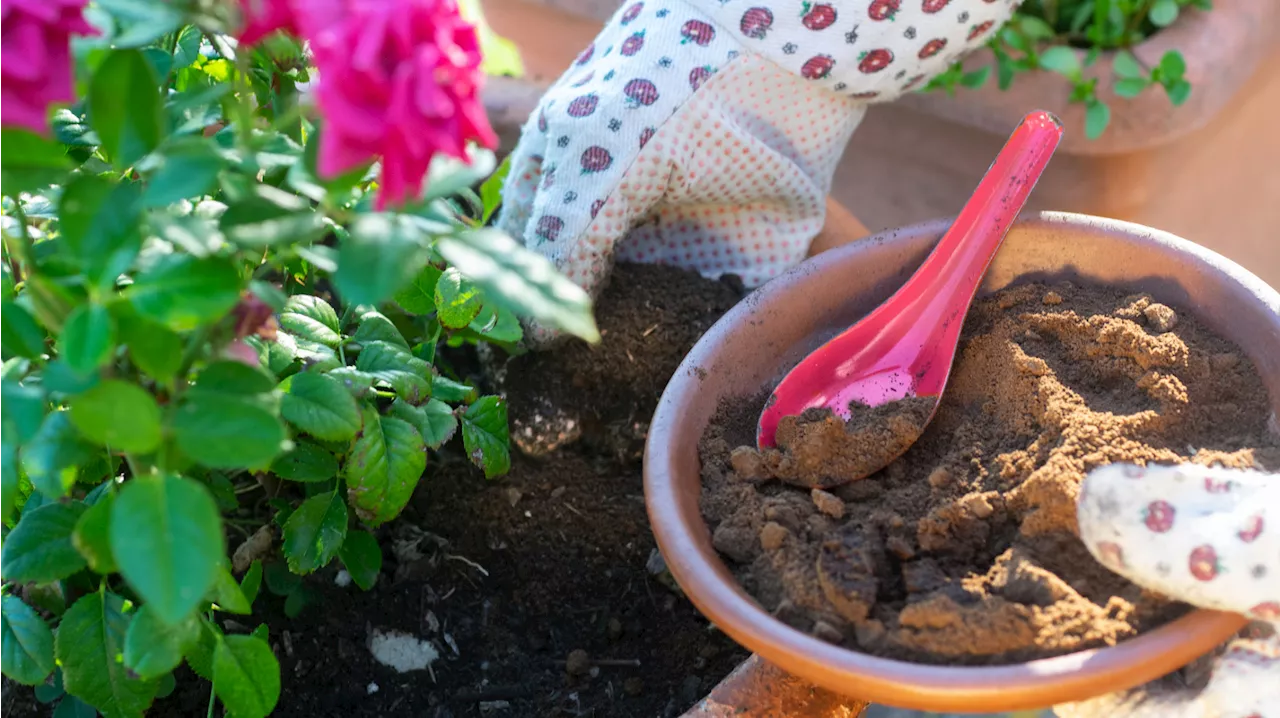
(1207, 536)
(705, 133)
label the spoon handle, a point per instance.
(954, 270)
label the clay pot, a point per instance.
(753, 345)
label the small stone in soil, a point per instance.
(633, 686)
(1160, 317)
(748, 464)
(772, 535)
(828, 503)
(578, 663)
(402, 651)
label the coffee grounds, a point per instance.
(818, 449)
(964, 550)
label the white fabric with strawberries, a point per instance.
(705, 133)
(1207, 536)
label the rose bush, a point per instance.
(220, 313)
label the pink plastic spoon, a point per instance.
(905, 347)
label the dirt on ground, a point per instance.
(964, 550)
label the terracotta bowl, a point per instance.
(753, 345)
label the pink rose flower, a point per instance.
(35, 58)
(399, 80)
(300, 18)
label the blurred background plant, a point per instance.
(1070, 36)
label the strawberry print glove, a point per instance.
(705, 133)
(1209, 537)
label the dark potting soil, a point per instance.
(535, 589)
(964, 550)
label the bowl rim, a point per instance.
(1033, 684)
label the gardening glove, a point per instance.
(1206, 536)
(705, 133)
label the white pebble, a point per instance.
(343, 579)
(402, 651)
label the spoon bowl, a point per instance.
(906, 346)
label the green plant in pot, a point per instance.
(1069, 37)
(211, 336)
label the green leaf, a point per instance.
(434, 420)
(382, 255)
(252, 582)
(119, 415)
(50, 301)
(125, 107)
(88, 646)
(1062, 60)
(232, 377)
(155, 349)
(152, 647)
(183, 292)
(320, 406)
(304, 177)
(362, 558)
(497, 325)
(976, 78)
(51, 457)
(307, 462)
(186, 169)
(408, 375)
(29, 161)
(447, 176)
(311, 318)
(99, 223)
(200, 656)
(166, 534)
(40, 548)
(457, 300)
(92, 536)
(1096, 118)
(374, 327)
(452, 392)
(385, 464)
(1131, 88)
(11, 486)
(19, 333)
(88, 339)
(491, 190)
(23, 411)
(1127, 67)
(226, 593)
(140, 22)
(246, 676)
(1179, 92)
(188, 47)
(72, 707)
(26, 641)
(259, 222)
(1163, 13)
(419, 296)
(314, 532)
(485, 435)
(521, 280)
(198, 235)
(1172, 66)
(62, 379)
(228, 431)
